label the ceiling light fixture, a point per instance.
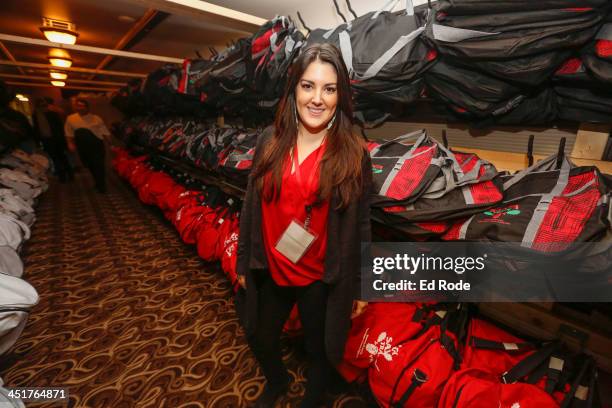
(59, 58)
(126, 19)
(63, 32)
(60, 62)
(58, 83)
(58, 75)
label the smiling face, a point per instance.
(316, 96)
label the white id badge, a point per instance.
(295, 241)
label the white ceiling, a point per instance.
(316, 13)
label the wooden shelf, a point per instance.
(517, 161)
(543, 322)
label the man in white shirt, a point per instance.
(85, 133)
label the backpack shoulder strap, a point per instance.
(529, 364)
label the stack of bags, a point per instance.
(498, 56)
(249, 77)
(245, 80)
(203, 215)
(227, 151)
(421, 185)
(487, 62)
(427, 355)
(584, 82)
(22, 180)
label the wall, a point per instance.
(322, 13)
(506, 139)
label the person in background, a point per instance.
(49, 124)
(53, 107)
(86, 134)
(15, 129)
(305, 214)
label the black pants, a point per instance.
(91, 151)
(56, 149)
(275, 304)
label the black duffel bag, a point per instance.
(547, 207)
(581, 103)
(514, 34)
(463, 7)
(470, 94)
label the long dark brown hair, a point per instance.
(341, 162)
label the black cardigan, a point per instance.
(346, 230)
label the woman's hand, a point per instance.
(359, 306)
(242, 281)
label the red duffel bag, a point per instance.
(375, 334)
(192, 220)
(477, 388)
(416, 375)
(159, 187)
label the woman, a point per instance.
(305, 214)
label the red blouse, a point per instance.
(278, 214)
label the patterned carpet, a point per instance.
(129, 316)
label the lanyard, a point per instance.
(306, 189)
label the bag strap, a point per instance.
(421, 313)
(543, 165)
(577, 383)
(412, 135)
(486, 344)
(594, 399)
(437, 318)
(605, 33)
(542, 208)
(528, 364)
(453, 34)
(553, 373)
(418, 379)
(458, 320)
